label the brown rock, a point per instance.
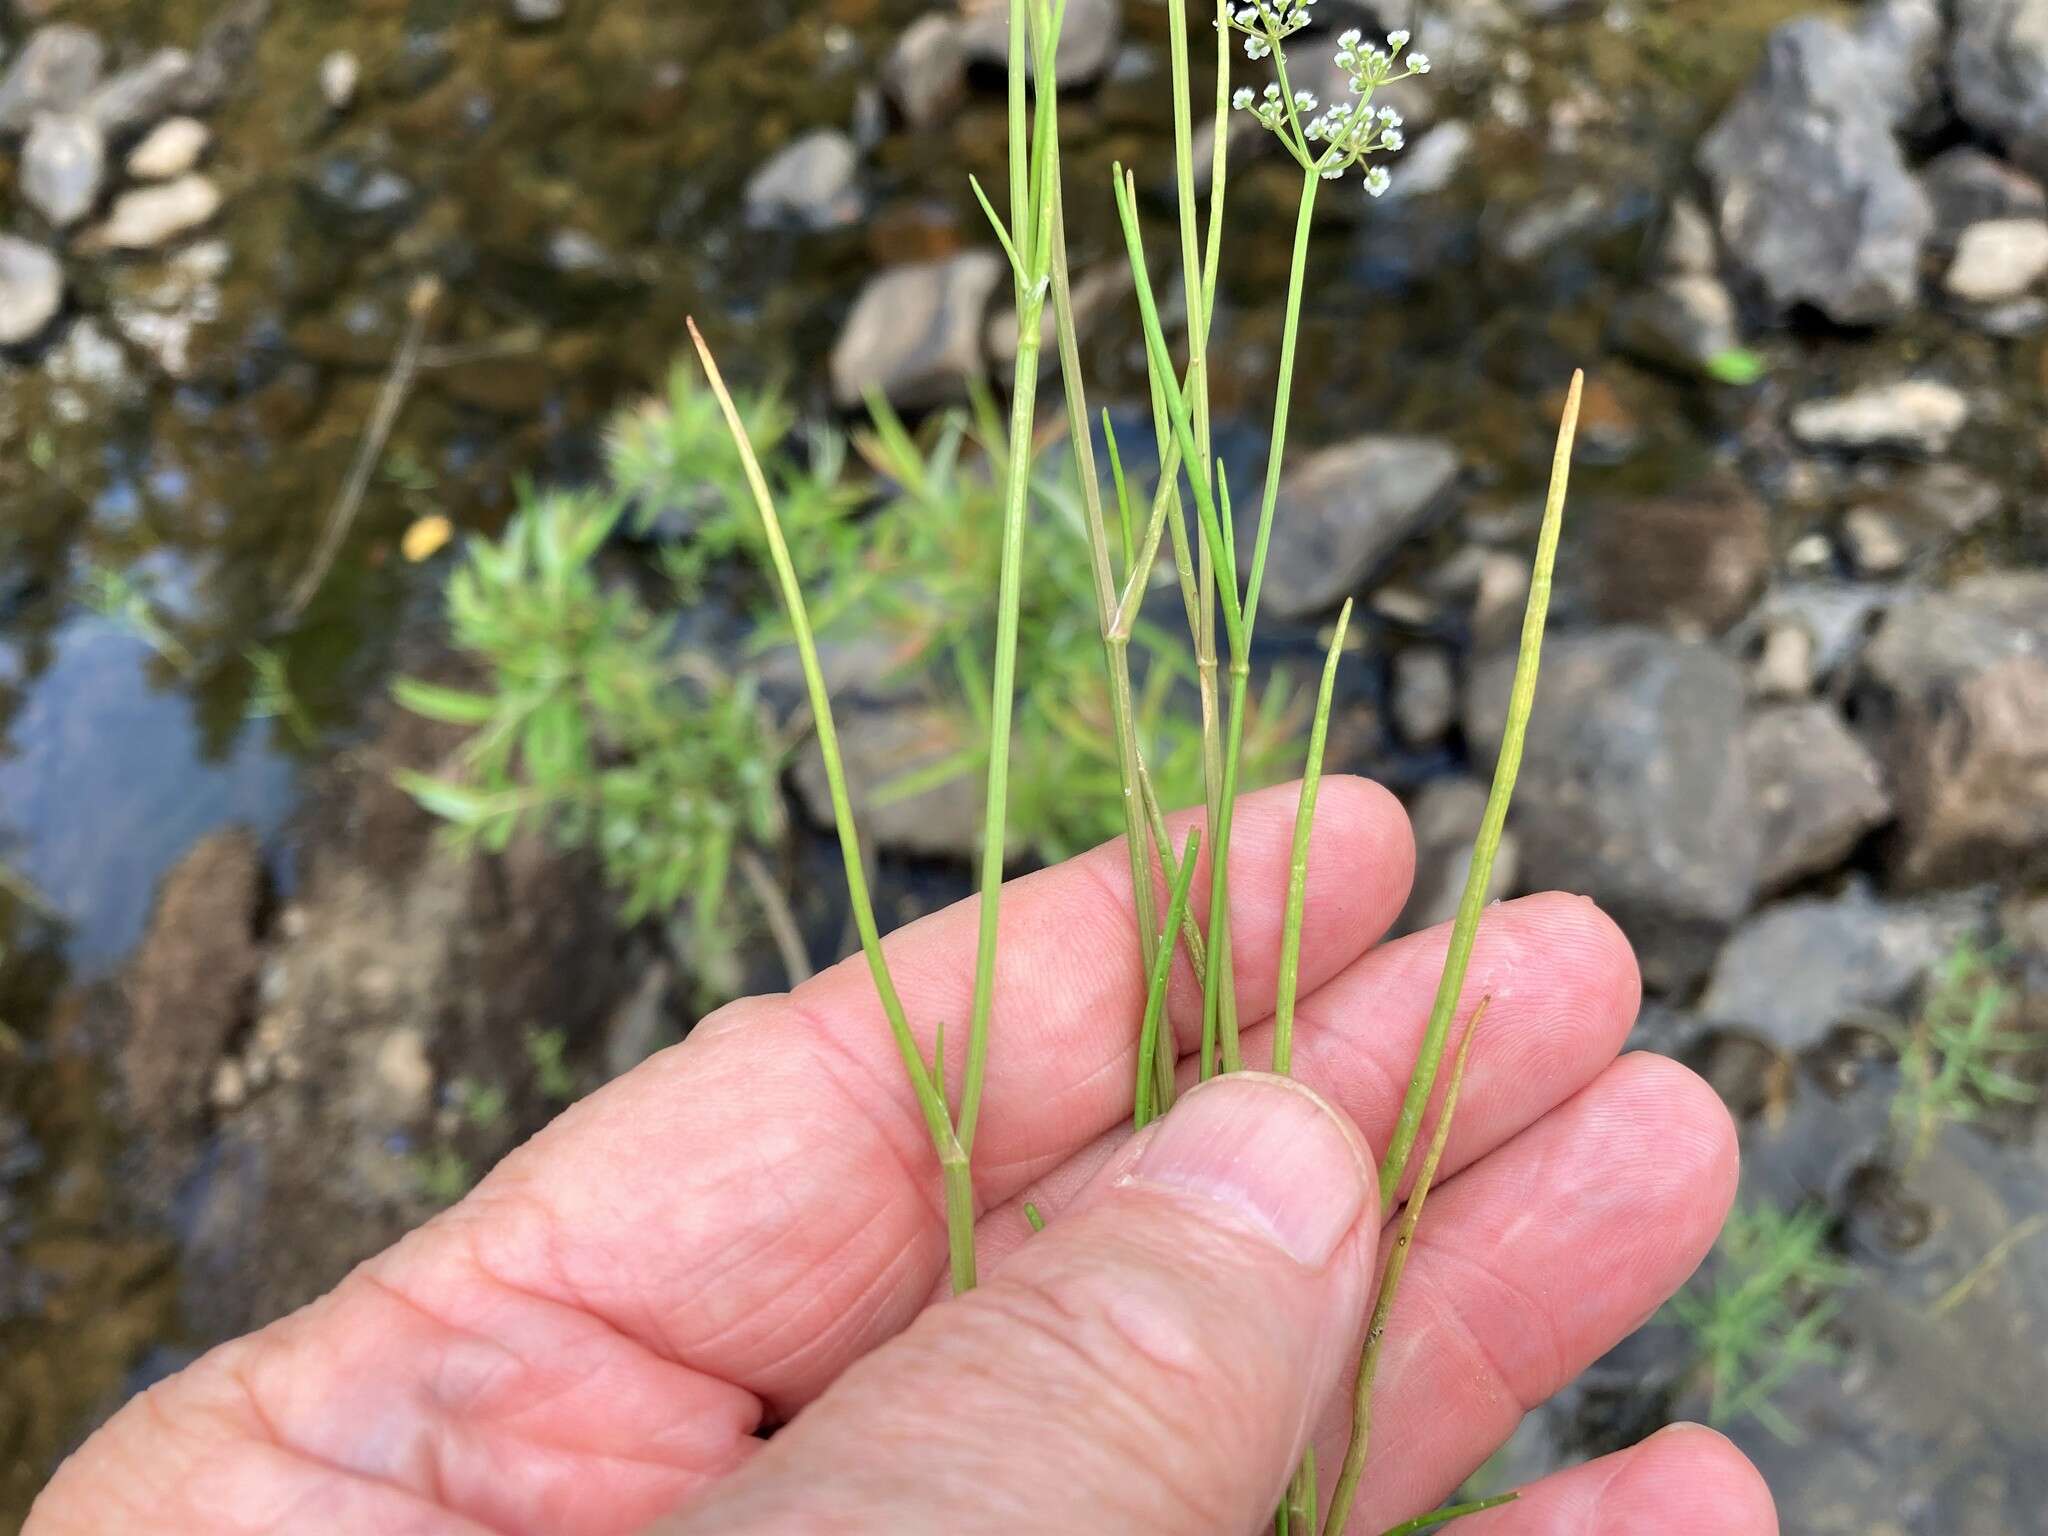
(1689, 563)
(191, 984)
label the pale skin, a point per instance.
(746, 1231)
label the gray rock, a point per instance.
(63, 167)
(1096, 293)
(1811, 193)
(1874, 542)
(1445, 816)
(1692, 562)
(341, 78)
(1088, 37)
(1912, 415)
(1902, 43)
(1683, 323)
(1635, 788)
(1818, 791)
(31, 290)
(169, 150)
(54, 72)
(809, 182)
(926, 72)
(1797, 969)
(537, 13)
(1998, 260)
(1433, 161)
(141, 95)
(359, 197)
(880, 744)
(1687, 247)
(148, 217)
(1425, 695)
(1966, 186)
(223, 52)
(1952, 695)
(915, 331)
(163, 309)
(1343, 511)
(1783, 667)
(1998, 74)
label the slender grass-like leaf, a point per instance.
(1147, 1106)
(1439, 1517)
(1297, 869)
(1390, 1285)
(1521, 703)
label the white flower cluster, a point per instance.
(1347, 131)
(1266, 22)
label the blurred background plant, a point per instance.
(1959, 1060)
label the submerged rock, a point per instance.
(926, 72)
(1681, 322)
(1797, 969)
(809, 182)
(141, 95)
(31, 290)
(1914, 415)
(171, 149)
(1343, 511)
(1818, 792)
(1952, 695)
(148, 217)
(1425, 690)
(885, 742)
(1812, 195)
(1635, 788)
(54, 72)
(915, 332)
(341, 78)
(1967, 186)
(63, 166)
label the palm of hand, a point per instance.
(746, 1228)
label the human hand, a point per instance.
(746, 1231)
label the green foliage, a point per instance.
(546, 1050)
(1760, 1311)
(1958, 1060)
(444, 1175)
(481, 1105)
(591, 726)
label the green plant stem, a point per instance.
(1297, 869)
(1148, 1105)
(1297, 1513)
(1426, 1522)
(931, 1095)
(1390, 1284)
(1472, 905)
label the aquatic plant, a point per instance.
(1759, 1310)
(1326, 143)
(1957, 1061)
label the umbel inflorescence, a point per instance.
(1327, 140)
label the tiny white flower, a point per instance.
(1350, 38)
(1305, 101)
(1272, 93)
(1393, 139)
(1389, 118)
(1418, 63)
(1255, 48)
(1377, 181)
(1398, 40)
(1243, 99)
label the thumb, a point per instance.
(1151, 1363)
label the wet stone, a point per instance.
(1683, 323)
(148, 217)
(1348, 509)
(1796, 970)
(1635, 787)
(1952, 695)
(1692, 563)
(1998, 260)
(1812, 195)
(1445, 816)
(926, 72)
(915, 332)
(536, 13)
(881, 743)
(341, 79)
(1088, 37)
(54, 72)
(63, 166)
(810, 183)
(1998, 70)
(359, 197)
(1909, 415)
(171, 149)
(1818, 791)
(1968, 186)
(135, 98)
(1425, 695)
(31, 290)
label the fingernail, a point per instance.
(1268, 1152)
